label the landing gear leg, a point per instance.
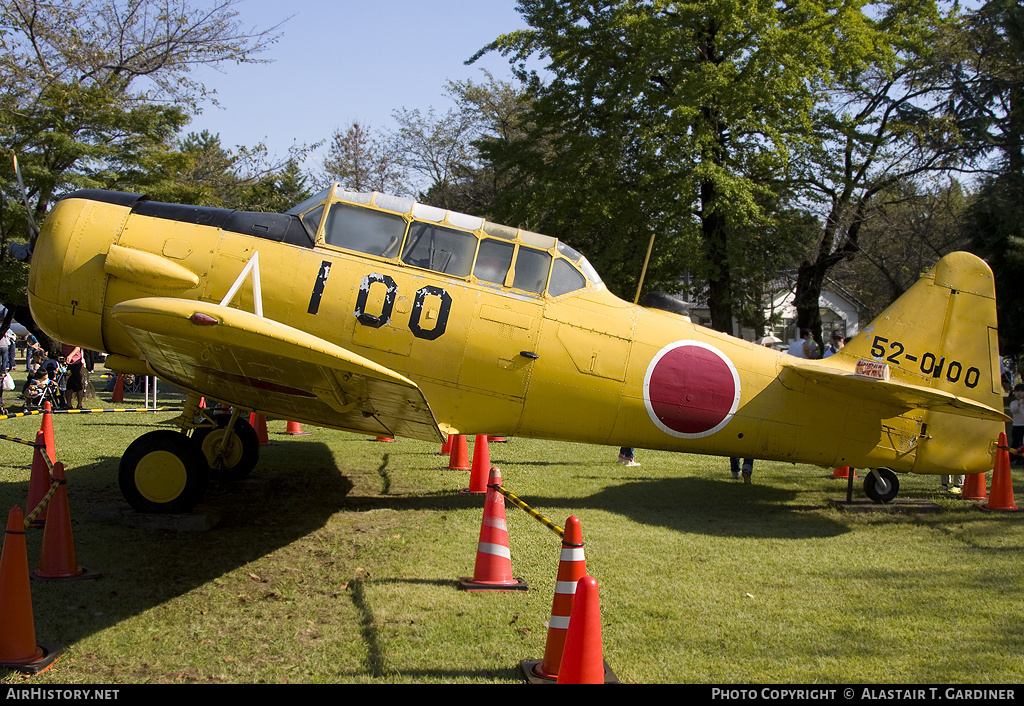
(881, 485)
(230, 445)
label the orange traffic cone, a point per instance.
(493, 568)
(47, 429)
(259, 423)
(583, 658)
(39, 481)
(18, 648)
(974, 487)
(446, 447)
(459, 459)
(1002, 482)
(481, 469)
(295, 429)
(497, 439)
(57, 559)
(572, 566)
(118, 389)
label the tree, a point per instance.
(988, 100)
(93, 93)
(360, 161)
(492, 110)
(661, 117)
(434, 150)
(910, 227)
(207, 174)
(884, 125)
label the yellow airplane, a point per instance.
(373, 313)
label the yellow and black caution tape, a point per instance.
(1015, 452)
(31, 517)
(19, 440)
(36, 412)
(529, 510)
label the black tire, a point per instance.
(163, 472)
(881, 490)
(243, 449)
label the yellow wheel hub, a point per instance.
(232, 452)
(160, 476)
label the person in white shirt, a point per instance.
(805, 346)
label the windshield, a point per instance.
(308, 203)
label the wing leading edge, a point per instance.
(274, 369)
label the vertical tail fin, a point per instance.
(942, 334)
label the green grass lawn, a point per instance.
(316, 574)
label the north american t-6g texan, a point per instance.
(373, 313)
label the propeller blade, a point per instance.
(33, 230)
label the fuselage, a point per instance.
(505, 331)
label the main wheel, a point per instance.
(163, 472)
(241, 450)
(881, 485)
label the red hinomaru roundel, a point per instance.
(691, 389)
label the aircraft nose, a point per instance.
(66, 281)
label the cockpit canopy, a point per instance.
(454, 244)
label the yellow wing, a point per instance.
(274, 369)
(898, 394)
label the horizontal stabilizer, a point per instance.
(257, 363)
(890, 392)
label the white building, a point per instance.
(840, 311)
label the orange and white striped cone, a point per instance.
(1001, 494)
(57, 560)
(493, 568)
(481, 470)
(583, 657)
(974, 487)
(572, 566)
(39, 481)
(459, 459)
(18, 648)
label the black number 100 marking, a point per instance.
(417, 308)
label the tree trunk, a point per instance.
(715, 237)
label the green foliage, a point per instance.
(996, 227)
(988, 97)
(93, 94)
(675, 118)
(202, 172)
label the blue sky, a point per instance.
(338, 61)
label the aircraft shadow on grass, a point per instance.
(283, 503)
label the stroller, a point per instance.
(53, 385)
(42, 389)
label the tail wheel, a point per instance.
(163, 472)
(240, 451)
(881, 485)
